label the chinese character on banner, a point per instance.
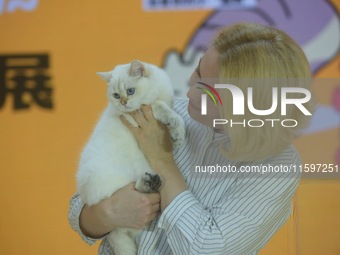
(24, 78)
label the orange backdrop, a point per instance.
(40, 147)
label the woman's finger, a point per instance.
(154, 198)
(138, 116)
(156, 207)
(147, 111)
(154, 216)
(134, 130)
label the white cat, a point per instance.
(112, 158)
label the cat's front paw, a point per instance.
(174, 122)
(177, 131)
(149, 183)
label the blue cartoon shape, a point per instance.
(14, 5)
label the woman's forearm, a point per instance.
(172, 180)
(126, 208)
(90, 223)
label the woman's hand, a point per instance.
(154, 140)
(152, 136)
(126, 208)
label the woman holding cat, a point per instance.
(236, 213)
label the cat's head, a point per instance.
(128, 85)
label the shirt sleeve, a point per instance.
(76, 206)
(242, 222)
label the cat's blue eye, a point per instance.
(130, 91)
(116, 95)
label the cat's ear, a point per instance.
(137, 68)
(106, 76)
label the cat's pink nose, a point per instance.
(123, 100)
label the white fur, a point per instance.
(112, 158)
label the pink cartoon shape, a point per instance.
(336, 103)
(338, 157)
(336, 99)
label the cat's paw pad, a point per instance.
(177, 142)
(149, 183)
(172, 122)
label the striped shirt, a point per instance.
(220, 213)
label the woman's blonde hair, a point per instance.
(253, 55)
